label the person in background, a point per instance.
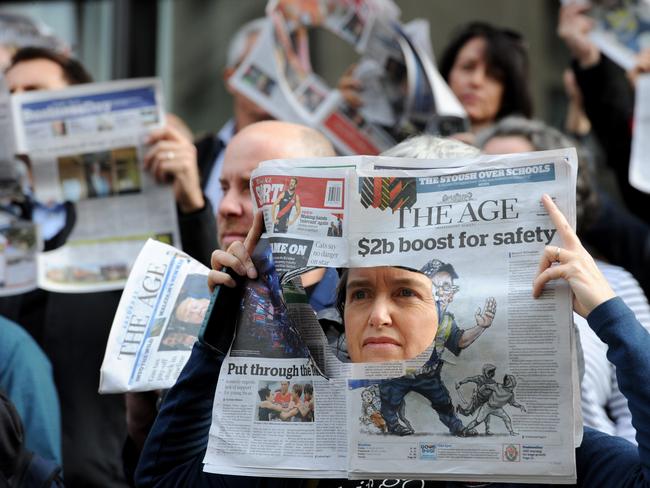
(211, 148)
(402, 299)
(603, 405)
(26, 377)
(608, 98)
(487, 69)
(93, 425)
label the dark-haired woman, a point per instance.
(487, 69)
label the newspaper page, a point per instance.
(10, 187)
(640, 157)
(622, 29)
(86, 145)
(157, 321)
(491, 399)
(398, 76)
(19, 244)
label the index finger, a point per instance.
(567, 234)
(254, 233)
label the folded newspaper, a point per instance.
(498, 407)
(407, 92)
(621, 28)
(157, 321)
(86, 145)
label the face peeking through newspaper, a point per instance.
(389, 314)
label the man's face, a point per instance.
(192, 310)
(292, 184)
(284, 387)
(35, 74)
(256, 143)
(235, 213)
(389, 314)
(445, 289)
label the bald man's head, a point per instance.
(255, 143)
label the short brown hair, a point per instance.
(73, 71)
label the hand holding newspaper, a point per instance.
(491, 396)
(476, 229)
(86, 145)
(407, 92)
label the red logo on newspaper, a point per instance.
(319, 193)
(383, 193)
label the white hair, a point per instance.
(238, 43)
(426, 146)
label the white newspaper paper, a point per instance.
(86, 145)
(622, 29)
(19, 244)
(640, 157)
(400, 80)
(157, 321)
(481, 221)
(9, 174)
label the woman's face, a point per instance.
(390, 314)
(478, 91)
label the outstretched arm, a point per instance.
(483, 321)
(604, 460)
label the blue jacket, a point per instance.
(173, 453)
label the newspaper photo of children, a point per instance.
(187, 315)
(285, 402)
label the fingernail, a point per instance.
(252, 273)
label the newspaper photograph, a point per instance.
(622, 29)
(488, 394)
(157, 321)
(86, 145)
(406, 91)
(19, 244)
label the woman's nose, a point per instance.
(381, 313)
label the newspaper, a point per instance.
(86, 144)
(19, 244)
(157, 321)
(639, 163)
(287, 405)
(10, 187)
(622, 29)
(407, 93)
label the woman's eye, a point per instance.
(358, 294)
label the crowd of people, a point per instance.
(52, 344)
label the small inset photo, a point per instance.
(187, 315)
(285, 401)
